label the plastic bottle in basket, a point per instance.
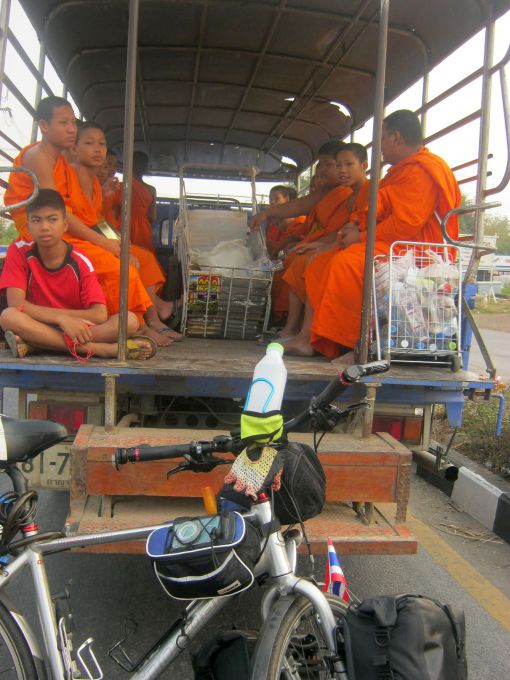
(269, 379)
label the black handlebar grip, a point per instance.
(139, 454)
(349, 375)
(361, 370)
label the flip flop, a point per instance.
(164, 331)
(134, 351)
(12, 341)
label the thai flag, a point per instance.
(335, 578)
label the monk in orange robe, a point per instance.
(282, 234)
(57, 123)
(87, 197)
(418, 186)
(320, 206)
(352, 164)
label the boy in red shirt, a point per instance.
(55, 300)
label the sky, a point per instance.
(456, 148)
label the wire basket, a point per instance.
(222, 301)
(417, 312)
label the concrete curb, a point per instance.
(481, 494)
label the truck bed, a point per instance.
(223, 368)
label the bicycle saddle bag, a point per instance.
(202, 557)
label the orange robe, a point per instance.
(409, 195)
(324, 218)
(106, 265)
(296, 227)
(295, 274)
(21, 186)
(150, 272)
(141, 227)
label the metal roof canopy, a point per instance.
(245, 82)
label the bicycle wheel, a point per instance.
(16, 660)
(291, 645)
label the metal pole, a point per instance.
(110, 401)
(375, 171)
(424, 100)
(129, 128)
(483, 147)
(5, 8)
(38, 89)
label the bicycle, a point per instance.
(299, 633)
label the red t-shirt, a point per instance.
(73, 285)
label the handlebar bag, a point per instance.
(203, 557)
(302, 491)
(402, 637)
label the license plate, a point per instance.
(50, 469)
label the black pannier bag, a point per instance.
(225, 657)
(303, 485)
(404, 637)
(203, 557)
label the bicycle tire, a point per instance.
(16, 659)
(276, 653)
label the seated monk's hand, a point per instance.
(309, 248)
(77, 329)
(348, 235)
(112, 246)
(257, 220)
(134, 261)
(111, 185)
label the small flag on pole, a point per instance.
(335, 578)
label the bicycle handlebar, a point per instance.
(198, 454)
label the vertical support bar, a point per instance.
(38, 89)
(425, 99)
(5, 9)
(375, 171)
(368, 413)
(483, 146)
(110, 401)
(129, 130)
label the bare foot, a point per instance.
(137, 349)
(288, 332)
(163, 329)
(299, 346)
(161, 339)
(347, 359)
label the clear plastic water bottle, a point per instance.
(269, 379)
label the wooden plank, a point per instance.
(337, 521)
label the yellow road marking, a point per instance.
(488, 596)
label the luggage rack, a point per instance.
(417, 315)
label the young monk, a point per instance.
(352, 163)
(55, 300)
(417, 186)
(57, 123)
(282, 234)
(143, 200)
(90, 156)
(320, 206)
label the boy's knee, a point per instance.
(132, 323)
(7, 317)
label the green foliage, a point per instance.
(476, 438)
(495, 223)
(8, 232)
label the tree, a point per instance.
(495, 223)
(8, 232)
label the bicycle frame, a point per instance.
(278, 561)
